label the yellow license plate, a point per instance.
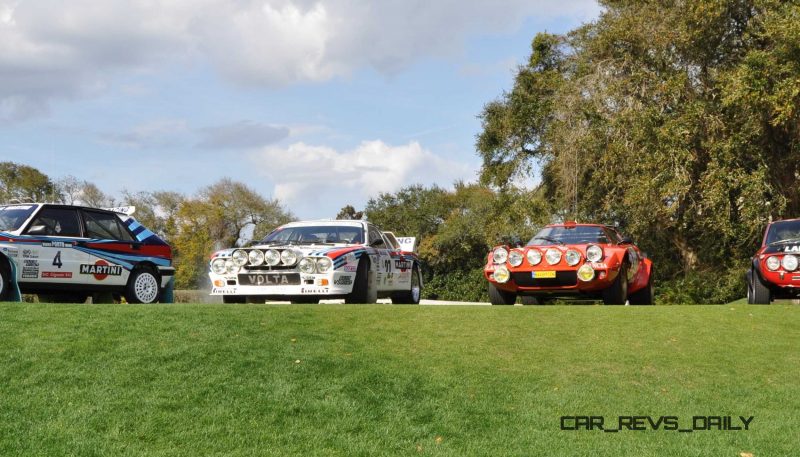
(543, 274)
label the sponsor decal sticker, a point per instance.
(599, 265)
(343, 281)
(791, 249)
(101, 270)
(56, 244)
(57, 274)
(403, 265)
(30, 269)
(314, 290)
(224, 291)
(30, 254)
(351, 268)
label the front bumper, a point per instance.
(565, 280)
(335, 283)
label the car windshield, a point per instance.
(316, 234)
(783, 231)
(12, 217)
(569, 235)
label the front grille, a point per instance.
(562, 279)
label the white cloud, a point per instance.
(54, 49)
(308, 177)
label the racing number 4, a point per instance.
(57, 260)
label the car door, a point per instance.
(110, 249)
(385, 276)
(53, 257)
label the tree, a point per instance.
(25, 184)
(677, 120)
(350, 213)
(223, 215)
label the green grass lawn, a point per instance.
(253, 380)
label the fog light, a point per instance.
(585, 273)
(501, 274)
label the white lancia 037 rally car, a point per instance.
(66, 253)
(304, 262)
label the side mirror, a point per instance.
(377, 243)
(626, 240)
(37, 230)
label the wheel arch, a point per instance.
(11, 267)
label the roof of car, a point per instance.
(354, 223)
(64, 205)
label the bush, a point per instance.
(469, 285)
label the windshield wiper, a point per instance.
(787, 240)
(548, 238)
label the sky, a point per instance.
(319, 104)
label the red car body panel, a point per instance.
(566, 281)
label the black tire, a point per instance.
(234, 299)
(5, 281)
(412, 296)
(360, 291)
(617, 292)
(501, 297)
(532, 300)
(757, 292)
(144, 286)
(643, 296)
(301, 300)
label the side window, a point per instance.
(56, 222)
(374, 235)
(105, 226)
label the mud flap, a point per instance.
(15, 293)
(168, 293)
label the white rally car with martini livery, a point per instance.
(304, 262)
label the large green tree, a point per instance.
(678, 120)
(223, 215)
(25, 184)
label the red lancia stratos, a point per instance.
(774, 271)
(588, 261)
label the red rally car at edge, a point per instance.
(774, 271)
(571, 260)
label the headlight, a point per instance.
(272, 257)
(789, 262)
(307, 265)
(500, 255)
(534, 256)
(239, 257)
(773, 263)
(218, 266)
(585, 273)
(324, 264)
(573, 257)
(553, 256)
(515, 258)
(231, 267)
(256, 257)
(501, 274)
(288, 257)
(594, 253)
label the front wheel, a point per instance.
(143, 287)
(412, 295)
(643, 296)
(757, 292)
(363, 291)
(501, 297)
(617, 292)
